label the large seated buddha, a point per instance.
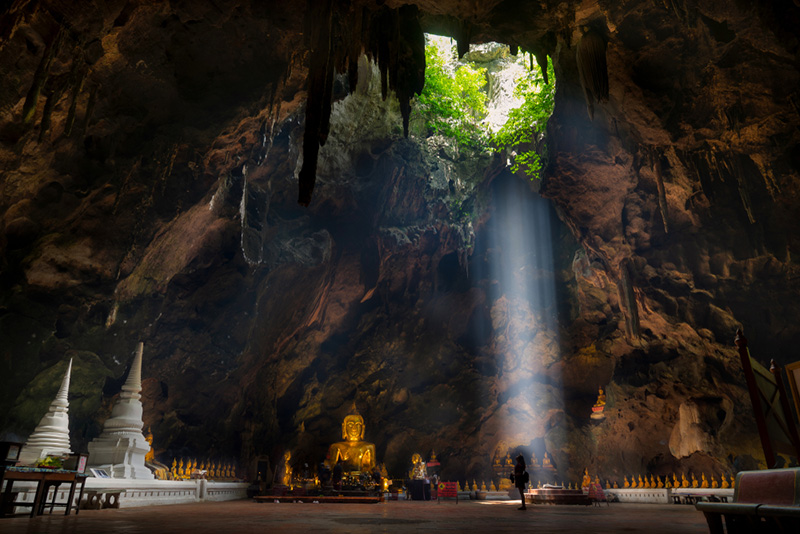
(356, 454)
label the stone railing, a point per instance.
(124, 493)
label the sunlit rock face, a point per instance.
(169, 215)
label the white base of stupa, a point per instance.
(120, 457)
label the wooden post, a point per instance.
(791, 428)
(755, 398)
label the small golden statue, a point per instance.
(714, 483)
(546, 463)
(675, 483)
(668, 482)
(181, 470)
(626, 484)
(286, 478)
(539, 484)
(357, 455)
(660, 482)
(493, 487)
(534, 462)
(641, 482)
(733, 482)
(616, 485)
(725, 484)
(695, 483)
(483, 485)
(599, 406)
(653, 482)
(704, 483)
(684, 481)
(587, 479)
(151, 455)
(474, 485)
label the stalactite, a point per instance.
(463, 38)
(90, 108)
(410, 77)
(628, 299)
(592, 68)
(40, 76)
(655, 161)
(541, 60)
(53, 92)
(315, 105)
(77, 87)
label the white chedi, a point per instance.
(121, 448)
(51, 436)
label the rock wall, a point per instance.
(149, 157)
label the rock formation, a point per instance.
(150, 156)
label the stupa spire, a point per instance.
(121, 448)
(51, 436)
(133, 384)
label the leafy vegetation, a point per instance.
(453, 104)
(523, 133)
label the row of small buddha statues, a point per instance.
(656, 482)
(181, 470)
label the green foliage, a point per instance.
(49, 461)
(452, 105)
(524, 130)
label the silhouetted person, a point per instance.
(338, 472)
(520, 478)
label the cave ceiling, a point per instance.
(153, 154)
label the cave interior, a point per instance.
(242, 186)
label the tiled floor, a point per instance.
(492, 517)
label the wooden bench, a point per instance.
(763, 501)
(557, 496)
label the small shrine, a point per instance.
(599, 406)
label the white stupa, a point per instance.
(51, 437)
(121, 447)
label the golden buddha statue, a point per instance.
(181, 470)
(151, 455)
(483, 485)
(534, 462)
(660, 482)
(725, 484)
(173, 471)
(641, 482)
(675, 483)
(601, 397)
(474, 485)
(626, 484)
(286, 479)
(356, 454)
(587, 479)
(714, 483)
(616, 485)
(546, 463)
(684, 481)
(704, 483)
(695, 483)
(539, 484)
(653, 482)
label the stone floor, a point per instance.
(246, 517)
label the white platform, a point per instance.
(664, 495)
(133, 493)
